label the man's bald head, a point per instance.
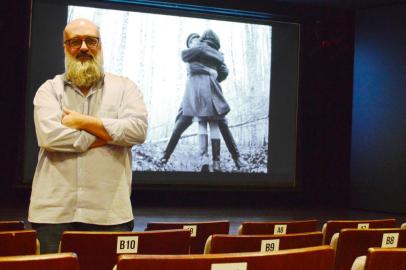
(79, 28)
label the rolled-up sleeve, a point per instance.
(131, 125)
(52, 135)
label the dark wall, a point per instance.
(378, 155)
(325, 107)
(14, 31)
(324, 104)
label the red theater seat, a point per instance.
(14, 243)
(99, 250)
(62, 261)
(353, 243)
(13, 225)
(200, 231)
(278, 227)
(314, 258)
(221, 243)
(384, 259)
(334, 226)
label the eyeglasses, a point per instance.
(76, 43)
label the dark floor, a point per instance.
(236, 215)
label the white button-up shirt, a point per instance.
(76, 183)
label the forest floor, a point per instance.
(185, 158)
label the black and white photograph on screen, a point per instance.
(206, 84)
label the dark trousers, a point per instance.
(49, 235)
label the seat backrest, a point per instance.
(314, 258)
(334, 226)
(99, 250)
(278, 227)
(353, 243)
(65, 261)
(403, 226)
(13, 225)
(222, 243)
(200, 231)
(13, 243)
(386, 258)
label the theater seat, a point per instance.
(222, 243)
(382, 259)
(352, 243)
(359, 263)
(334, 226)
(22, 242)
(278, 227)
(65, 261)
(313, 258)
(13, 225)
(99, 250)
(200, 231)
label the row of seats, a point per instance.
(316, 258)
(202, 230)
(95, 248)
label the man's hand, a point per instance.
(98, 143)
(72, 119)
(88, 123)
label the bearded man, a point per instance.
(86, 122)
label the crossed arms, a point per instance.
(63, 130)
(91, 124)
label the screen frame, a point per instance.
(212, 13)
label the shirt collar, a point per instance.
(98, 85)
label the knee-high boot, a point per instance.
(215, 148)
(230, 143)
(182, 123)
(204, 152)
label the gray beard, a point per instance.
(83, 74)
